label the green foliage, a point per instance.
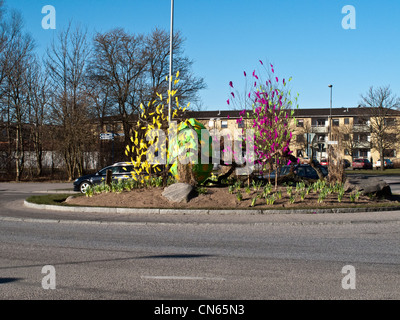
(256, 185)
(300, 186)
(201, 190)
(289, 190)
(322, 195)
(238, 185)
(253, 201)
(270, 199)
(89, 192)
(303, 194)
(340, 195)
(267, 189)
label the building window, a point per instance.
(300, 138)
(224, 124)
(321, 122)
(299, 153)
(335, 122)
(321, 138)
(241, 124)
(361, 121)
(390, 121)
(300, 123)
(321, 147)
(390, 153)
(361, 137)
(346, 121)
(361, 153)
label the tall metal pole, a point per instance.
(330, 116)
(330, 128)
(171, 37)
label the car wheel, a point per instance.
(83, 186)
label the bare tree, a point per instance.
(136, 67)
(379, 104)
(38, 102)
(157, 70)
(3, 45)
(17, 57)
(66, 63)
(302, 134)
(118, 63)
(345, 137)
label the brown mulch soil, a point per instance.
(217, 198)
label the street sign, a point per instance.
(332, 142)
(110, 135)
(106, 136)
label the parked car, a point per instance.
(118, 172)
(388, 164)
(324, 162)
(361, 164)
(307, 172)
(284, 171)
(346, 163)
(306, 160)
(302, 170)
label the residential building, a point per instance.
(351, 131)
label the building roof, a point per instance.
(298, 113)
(301, 112)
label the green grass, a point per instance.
(394, 172)
(50, 199)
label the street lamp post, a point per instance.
(330, 128)
(330, 116)
(171, 37)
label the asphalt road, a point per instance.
(194, 257)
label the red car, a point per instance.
(324, 162)
(361, 164)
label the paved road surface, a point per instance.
(174, 257)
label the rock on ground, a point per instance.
(368, 185)
(178, 192)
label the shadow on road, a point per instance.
(166, 256)
(8, 280)
(177, 256)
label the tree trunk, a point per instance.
(19, 154)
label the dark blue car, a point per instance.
(304, 171)
(120, 170)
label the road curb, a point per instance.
(165, 211)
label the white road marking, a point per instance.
(182, 278)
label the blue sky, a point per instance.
(303, 39)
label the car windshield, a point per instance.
(284, 170)
(116, 170)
